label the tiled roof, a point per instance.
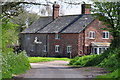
(63, 24)
(38, 25)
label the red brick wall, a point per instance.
(96, 26)
(64, 41)
(80, 42)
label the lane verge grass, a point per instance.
(45, 59)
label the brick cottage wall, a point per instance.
(64, 41)
(96, 26)
(81, 43)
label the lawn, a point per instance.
(45, 59)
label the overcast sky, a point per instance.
(65, 9)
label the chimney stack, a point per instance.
(86, 9)
(55, 10)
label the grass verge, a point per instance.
(45, 59)
(114, 74)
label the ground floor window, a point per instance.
(57, 48)
(98, 50)
(69, 49)
(45, 48)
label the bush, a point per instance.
(82, 61)
(97, 59)
(72, 61)
(112, 61)
(109, 59)
(14, 64)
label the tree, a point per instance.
(109, 14)
(25, 19)
(15, 8)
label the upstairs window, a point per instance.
(57, 36)
(45, 48)
(57, 48)
(92, 35)
(69, 49)
(105, 35)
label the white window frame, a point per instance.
(98, 50)
(45, 48)
(92, 35)
(69, 49)
(57, 36)
(57, 47)
(105, 35)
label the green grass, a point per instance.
(45, 59)
(114, 74)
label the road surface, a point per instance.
(59, 69)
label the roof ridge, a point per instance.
(74, 15)
(65, 15)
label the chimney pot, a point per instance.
(55, 10)
(86, 8)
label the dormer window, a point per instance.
(105, 35)
(57, 36)
(92, 35)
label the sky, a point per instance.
(65, 9)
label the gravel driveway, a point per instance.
(59, 69)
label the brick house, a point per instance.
(66, 36)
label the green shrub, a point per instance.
(82, 61)
(14, 64)
(109, 59)
(6, 73)
(112, 61)
(95, 60)
(73, 60)
(0, 66)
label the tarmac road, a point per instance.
(59, 69)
